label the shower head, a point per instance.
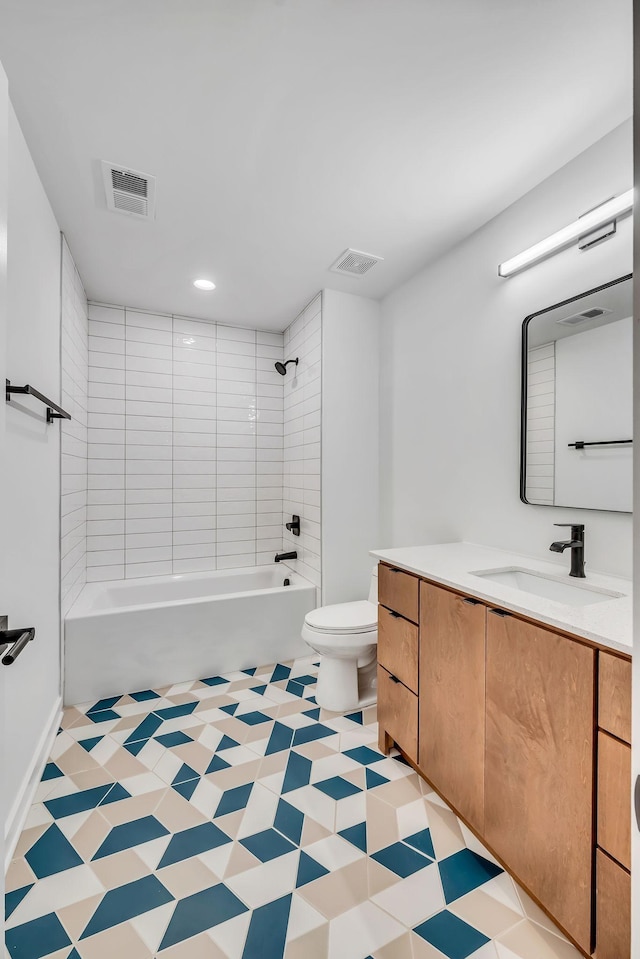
(282, 367)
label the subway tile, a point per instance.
(193, 550)
(200, 384)
(194, 425)
(140, 334)
(194, 495)
(194, 513)
(149, 394)
(191, 454)
(105, 557)
(235, 534)
(190, 439)
(142, 378)
(149, 481)
(148, 466)
(135, 451)
(99, 497)
(109, 330)
(192, 354)
(136, 570)
(194, 341)
(100, 527)
(234, 549)
(193, 481)
(105, 467)
(227, 334)
(152, 554)
(194, 371)
(188, 537)
(150, 351)
(105, 344)
(106, 314)
(145, 437)
(106, 511)
(203, 521)
(110, 361)
(113, 391)
(143, 408)
(236, 562)
(183, 324)
(143, 364)
(148, 496)
(194, 411)
(135, 540)
(152, 321)
(156, 424)
(194, 467)
(195, 564)
(143, 512)
(102, 574)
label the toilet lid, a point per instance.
(358, 617)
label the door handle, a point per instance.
(470, 601)
(502, 613)
(394, 679)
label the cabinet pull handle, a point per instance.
(636, 803)
(394, 679)
(502, 613)
(394, 614)
(471, 602)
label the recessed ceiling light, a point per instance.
(204, 285)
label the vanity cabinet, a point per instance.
(525, 732)
(452, 703)
(539, 765)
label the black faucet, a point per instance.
(576, 545)
(280, 556)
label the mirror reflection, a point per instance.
(577, 402)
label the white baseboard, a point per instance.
(22, 803)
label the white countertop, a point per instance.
(607, 623)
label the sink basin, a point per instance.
(549, 587)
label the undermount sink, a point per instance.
(548, 587)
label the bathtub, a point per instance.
(131, 635)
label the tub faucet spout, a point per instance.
(281, 556)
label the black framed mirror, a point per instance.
(577, 401)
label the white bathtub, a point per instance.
(141, 634)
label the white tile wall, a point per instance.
(185, 445)
(541, 386)
(302, 430)
(73, 392)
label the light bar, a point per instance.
(616, 207)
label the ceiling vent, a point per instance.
(354, 262)
(576, 318)
(129, 191)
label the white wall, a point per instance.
(74, 375)
(31, 545)
(350, 431)
(185, 445)
(302, 440)
(594, 401)
(450, 373)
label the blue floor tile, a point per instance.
(422, 842)
(260, 690)
(312, 713)
(174, 712)
(184, 774)
(308, 734)
(115, 794)
(51, 771)
(130, 834)
(233, 799)
(231, 708)
(173, 739)
(401, 859)
(364, 755)
(149, 725)
(103, 704)
(250, 672)
(216, 764)
(191, 842)
(453, 937)
(103, 716)
(187, 788)
(125, 902)
(214, 681)
(226, 743)
(289, 821)
(37, 938)
(267, 845)
(137, 747)
(280, 739)
(337, 787)
(268, 930)
(355, 717)
(143, 695)
(464, 871)
(296, 689)
(306, 680)
(280, 673)
(308, 870)
(373, 779)
(13, 899)
(255, 718)
(203, 910)
(88, 744)
(52, 853)
(298, 773)
(356, 835)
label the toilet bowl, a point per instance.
(346, 637)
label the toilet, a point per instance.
(346, 637)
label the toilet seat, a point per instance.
(343, 619)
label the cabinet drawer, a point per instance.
(398, 647)
(398, 712)
(614, 802)
(398, 591)
(614, 696)
(613, 909)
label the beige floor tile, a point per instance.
(177, 813)
(231, 823)
(76, 759)
(242, 684)
(75, 918)
(275, 763)
(195, 755)
(119, 941)
(312, 831)
(399, 792)
(315, 750)
(239, 861)
(422, 949)
(313, 945)
(484, 913)
(290, 709)
(119, 869)
(445, 831)
(380, 878)
(90, 836)
(338, 891)
(533, 911)
(182, 879)
(122, 765)
(398, 949)
(137, 807)
(70, 716)
(27, 838)
(200, 947)
(370, 716)
(179, 699)
(356, 776)
(527, 940)
(19, 874)
(212, 701)
(236, 775)
(382, 826)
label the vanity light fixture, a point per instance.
(606, 213)
(205, 285)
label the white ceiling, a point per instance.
(283, 131)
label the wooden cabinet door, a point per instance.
(539, 765)
(451, 707)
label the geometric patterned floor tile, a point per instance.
(234, 818)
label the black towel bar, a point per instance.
(59, 413)
(580, 444)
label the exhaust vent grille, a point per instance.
(129, 191)
(576, 318)
(354, 262)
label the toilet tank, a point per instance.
(373, 586)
